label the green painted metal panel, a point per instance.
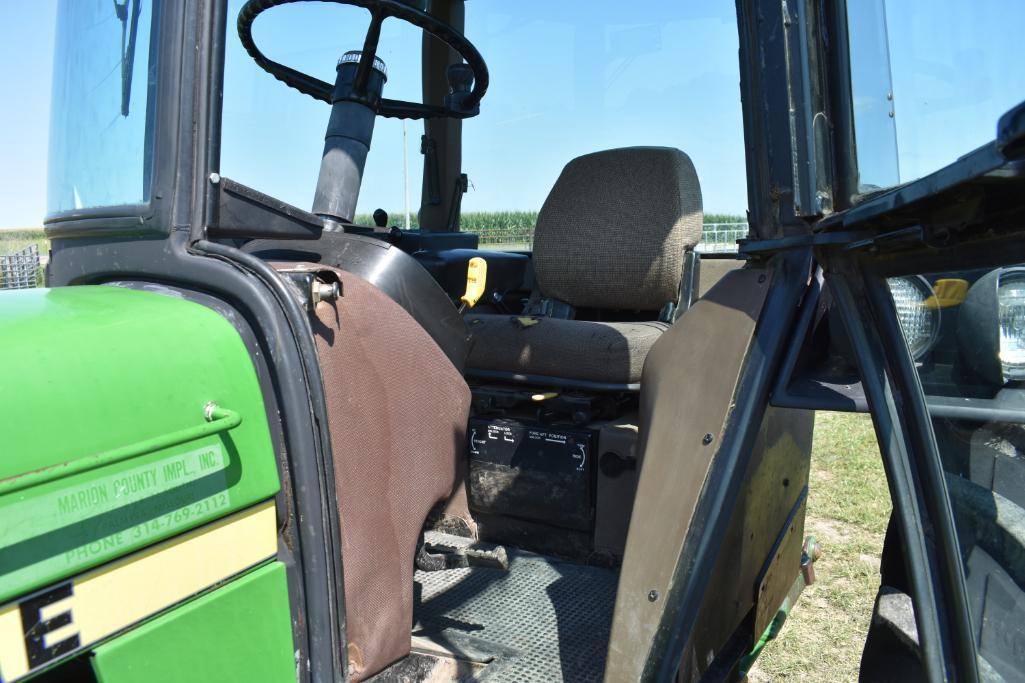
(105, 445)
(240, 632)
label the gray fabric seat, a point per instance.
(574, 349)
(610, 236)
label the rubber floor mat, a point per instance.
(543, 620)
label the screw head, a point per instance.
(652, 595)
(707, 439)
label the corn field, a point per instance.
(515, 229)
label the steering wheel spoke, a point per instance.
(379, 10)
(400, 109)
(369, 53)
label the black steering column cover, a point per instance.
(388, 268)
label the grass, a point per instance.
(848, 509)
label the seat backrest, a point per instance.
(613, 231)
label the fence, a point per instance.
(20, 269)
(721, 238)
(716, 238)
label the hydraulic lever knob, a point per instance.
(476, 279)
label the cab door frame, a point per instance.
(802, 180)
(913, 472)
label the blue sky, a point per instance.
(26, 63)
(563, 83)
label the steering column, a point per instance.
(346, 142)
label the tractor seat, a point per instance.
(610, 239)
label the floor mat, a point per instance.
(543, 620)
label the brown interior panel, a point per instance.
(713, 270)
(687, 389)
(398, 412)
(767, 522)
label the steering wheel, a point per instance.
(462, 103)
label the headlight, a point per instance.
(921, 323)
(1011, 305)
(991, 326)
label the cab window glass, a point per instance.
(563, 82)
(566, 82)
(966, 332)
(101, 122)
(930, 80)
(273, 136)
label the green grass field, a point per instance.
(848, 509)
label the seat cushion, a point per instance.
(568, 349)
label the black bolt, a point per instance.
(706, 439)
(761, 278)
(652, 595)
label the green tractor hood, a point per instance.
(128, 417)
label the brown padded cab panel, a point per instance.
(714, 269)
(398, 411)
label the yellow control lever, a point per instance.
(947, 292)
(476, 278)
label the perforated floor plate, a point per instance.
(543, 620)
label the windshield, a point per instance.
(101, 109)
(930, 80)
(564, 82)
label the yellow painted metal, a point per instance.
(75, 614)
(947, 292)
(476, 279)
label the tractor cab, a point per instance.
(537, 424)
(484, 404)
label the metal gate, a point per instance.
(20, 269)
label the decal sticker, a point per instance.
(141, 503)
(41, 514)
